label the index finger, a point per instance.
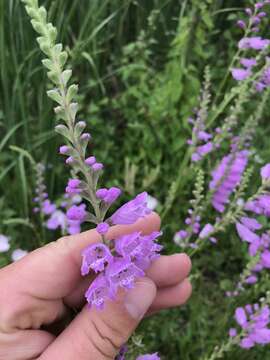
(53, 271)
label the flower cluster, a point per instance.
(226, 177)
(133, 254)
(253, 321)
(252, 43)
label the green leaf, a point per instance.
(55, 96)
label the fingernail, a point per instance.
(139, 299)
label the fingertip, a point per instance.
(186, 263)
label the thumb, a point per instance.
(99, 334)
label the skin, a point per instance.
(39, 291)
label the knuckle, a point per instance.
(105, 338)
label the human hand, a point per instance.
(38, 292)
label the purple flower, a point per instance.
(73, 227)
(56, 220)
(265, 259)
(226, 177)
(77, 212)
(108, 195)
(102, 228)
(4, 243)
(206, 231)
(232, 332)
(241, 24)
(73, 186)
(47, 207)
(241, 74)
(205, 149)
(248, 63)
(251, 280)
(18, 254)
(99, 291)
(122, 352)
(95, 257)
(97, 166)
(246, 234)
(256, 43)
(90, 160)
(149, 357)
(265, 172)
(240, 316)
(64, 149)
(251, 224)
(253, 320)
(130, 212)
(123, 273)
(70, 160)
(85, 137)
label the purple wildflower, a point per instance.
(226, 177)
(254, 322)
(248, 63)
(97, 166)
(18, 254)
(108, 195)
(64, 149)
(130, 212)
(73, 186)
(206, 231)
(90, 160)
(123, 273)
(265, 173)
(246, 234)
(241, 74)
(4, 243)
(255, 43)
(102, 228)
(149, 357)
(76, 212)
(95, 257)
(99, 291)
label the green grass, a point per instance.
(139, 81)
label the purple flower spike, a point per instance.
(265, 173)
(130, 212)
(90, 160)
(76, 212)
(102, 228)
(98, 292)
(63, 149)
(95, 257)
(97, 166)
(123, 273)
